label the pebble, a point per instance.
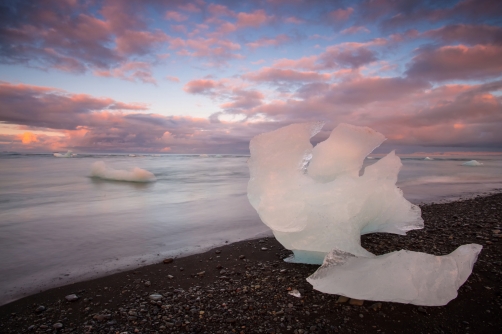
(58, 325)
(148, 283)
(356, 302)
(156, 297)
(40, 309)
(342, 299)
(376, 306)
(168, 260)
(71, 298)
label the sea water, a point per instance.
(58, 225)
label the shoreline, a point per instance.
(239, 287)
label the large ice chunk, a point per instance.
(403, 276)
(314, 199)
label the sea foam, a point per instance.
(100, 170)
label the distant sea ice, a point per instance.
(100, 170)
(472, 163)
(68, 154)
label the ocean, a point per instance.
(58, 225)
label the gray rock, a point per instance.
(156, 297)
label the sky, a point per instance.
(193, 77)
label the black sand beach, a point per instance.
(243, 288)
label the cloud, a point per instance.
(243, 100)
(139, 42)
(69, 37)
(458, 62)
(344, 55)
(52, 108)
(172, 79)
(294, 20)
(28, 137)
(341, 14)
(175, 16)
(130, 71)
(392, 15)
(255, 19)
(201, 86)
(354, 30)
(86, 123)
(268, 74)
(217, 50)
(264, 42)
(467, 34)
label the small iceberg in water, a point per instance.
(427, 158)
(472, 163)
(100, 170)
(68, 154)
(132, 155)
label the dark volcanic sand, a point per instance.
(243, 289)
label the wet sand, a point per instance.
(244, 288)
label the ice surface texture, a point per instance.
(403, 276)
(314, 199)
(100, 170)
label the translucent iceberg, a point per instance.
(314, 199)
(472, 163)
(100, 170)
(403, 276)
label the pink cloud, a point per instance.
(175, 16)
(173, 79)
(304, 62)
(179, 28)
(243, 100)
(190, 7)
(130, 71)
(255, 19)
(215, 49)
(264, 42)
(219, 10)
(201, 86)
(354, 30)
(341, 14)
(294, 20)
(458, 62)
(139, 42)
(269, 74)
(469, 34)
(345, 55)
